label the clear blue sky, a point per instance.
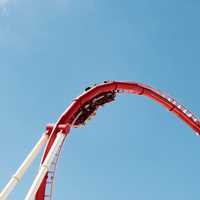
(51, 50)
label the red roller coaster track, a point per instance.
(84, 107)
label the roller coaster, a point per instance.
(77, 114)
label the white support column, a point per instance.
(45, 166)
(23, 168)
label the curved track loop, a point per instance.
(84, 107)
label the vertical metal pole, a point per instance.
(45, 166)
(23, 168)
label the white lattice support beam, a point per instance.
(45, 166)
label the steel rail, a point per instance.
(85, 105)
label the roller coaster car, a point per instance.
(88, 110)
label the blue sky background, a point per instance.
(51, 50)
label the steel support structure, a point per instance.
(45, 166)
(23, 168)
